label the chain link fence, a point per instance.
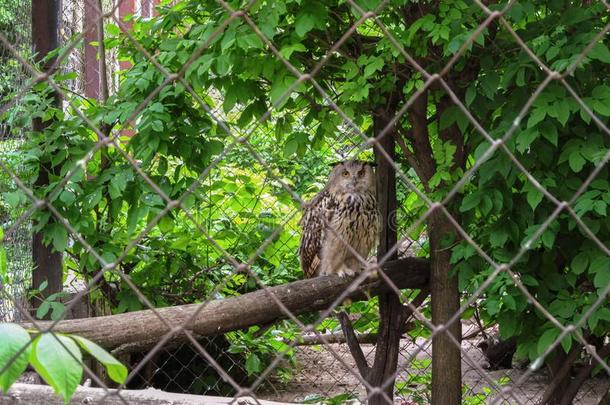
(248, 227)
(15, 23)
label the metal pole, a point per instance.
(45, 38)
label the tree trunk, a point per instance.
(45, 38)
(445, 297)
(141, 330)
(390, 307)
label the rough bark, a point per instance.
(45, 38)
(446, 355)
(25, 394)
(140, 330)
(390, 307)
(572, 390)
(559, 372)
(446, 362)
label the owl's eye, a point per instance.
(361, 172)
(345, 173)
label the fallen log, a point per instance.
(26, 394)
(141, 330)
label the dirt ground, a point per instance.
(320, 372)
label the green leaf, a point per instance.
(580, 262)
(508, 324)
(166, 224)
(13, 338)
(112, 29)
(599, 264)
(562, 107)
(566, 343)
(58, 309)
(549, 132)
(471, 93)
(600, 52)
(223, 64)
(253, 364)
(525, 139)
(67, 197)
(304, 23)
(116, 370)
(3, 265)
(534, 196)
(43, 309)
(599, 314)
(563, 308)
(492, 306)
(548, 238)
(498, 238)
(13, 198)
(59, 364)
(576, 161)
(547, 339)
(59, 236)
(288, 50)
(489, 84)
(470, 201)
(509, 302)
(601, 107)
(536, 116)
(373, 66)
(529, 280)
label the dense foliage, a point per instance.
(173, 139)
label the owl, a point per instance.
(347, 205)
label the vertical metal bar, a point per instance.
(45, 38)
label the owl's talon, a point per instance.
(347, 272)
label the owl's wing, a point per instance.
(312, 236)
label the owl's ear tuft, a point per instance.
(333, 164)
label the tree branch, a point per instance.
(558, 378)
(421, 140)
(570, 392)
(354, 346)
(141, 330)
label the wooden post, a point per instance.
(45, 38)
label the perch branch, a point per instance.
(141, 330)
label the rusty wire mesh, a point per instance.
(415, 355)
